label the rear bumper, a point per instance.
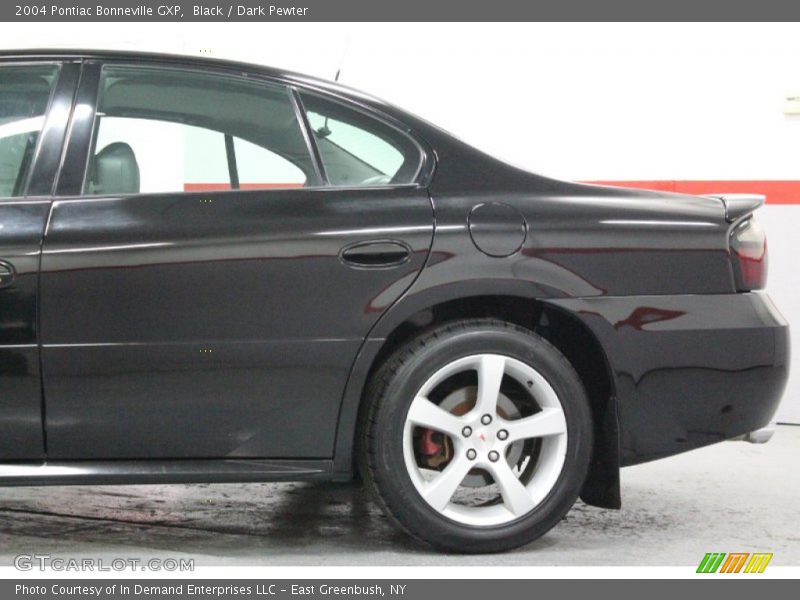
(689, 370)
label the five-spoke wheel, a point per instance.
(477, 436)
(484, 440)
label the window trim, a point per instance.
(230, 156)
(80, 132)
(311, 144)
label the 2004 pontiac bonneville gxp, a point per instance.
(218, 272)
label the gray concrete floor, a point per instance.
(729, 497)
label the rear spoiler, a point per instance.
(739, 205)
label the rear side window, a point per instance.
(24, 96)
(171, 130)
(357, 150)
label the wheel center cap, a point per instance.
(482, 439)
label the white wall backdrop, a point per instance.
(577, 101)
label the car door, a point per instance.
(205, 289)
(35, 101)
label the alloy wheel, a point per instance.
(492, 455)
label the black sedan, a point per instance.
(217, 272)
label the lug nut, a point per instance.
(502, 434)
(494, 456)
(486, 419)
(471, 454)
(467, 431)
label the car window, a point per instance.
(24, 96)
(357, 150)
(169, 130)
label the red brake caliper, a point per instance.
(428, 446)
(435, 449)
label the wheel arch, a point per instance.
(519, 303)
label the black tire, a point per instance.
(389, 395)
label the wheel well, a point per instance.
(573, 339)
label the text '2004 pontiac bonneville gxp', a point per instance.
(218, 272)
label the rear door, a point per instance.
(205, 287)
(35, 101)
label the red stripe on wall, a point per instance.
(777, 192)
(218, 187)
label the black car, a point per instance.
(218, 272)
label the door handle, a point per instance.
(376, 254)
(7, 274)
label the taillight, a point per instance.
(749, 253)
